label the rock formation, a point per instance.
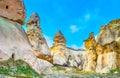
(64, 55)
(91, 55)
(14, 41)
(58, 49)
(107, 47)
(109, 32)
(37, 39)
(104, 53)
(35, 36)
(59, 39)
(13, 10)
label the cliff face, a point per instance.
(107, 47)
(109, 32)
(14, 42)
(63, 55)
(105, 50)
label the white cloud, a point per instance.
(74, 28)
(49, 40)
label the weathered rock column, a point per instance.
(91, 55)
(58, 50)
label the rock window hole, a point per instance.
(7, 7)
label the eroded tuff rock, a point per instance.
(104, 53)
(58, 50)
(91, 55)
(14, 41)
(13, 10)
(36, 38)
(59, 39)
(109, 33)
(35, 35)
(108, 46)
(108, 57)
(63, 55)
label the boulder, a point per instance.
(13, 10)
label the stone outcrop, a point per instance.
(35, 35)
(14, 41)
(59, 39)
(13, 10)
(64, 55)
(104, 53)
(109, 32)
(58, 49)
(107, 47)
(36, 38)
(91, 55)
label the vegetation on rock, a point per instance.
(17, 68)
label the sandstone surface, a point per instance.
(13, 10)
(63, 55)
(35, 35)
(14, 43)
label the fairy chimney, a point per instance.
(59, 39)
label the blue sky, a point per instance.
(75, 18)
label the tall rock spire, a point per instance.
(59, 38)
(34, 20)
(35, 35)
(13, 10)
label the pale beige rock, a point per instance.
(106, 62)
(109, 32)
(91, 55)
(61, 53)
(58, 54)
(36, 37)
(3, 56)
(107, 47)
(13, 10)
(14, 41)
